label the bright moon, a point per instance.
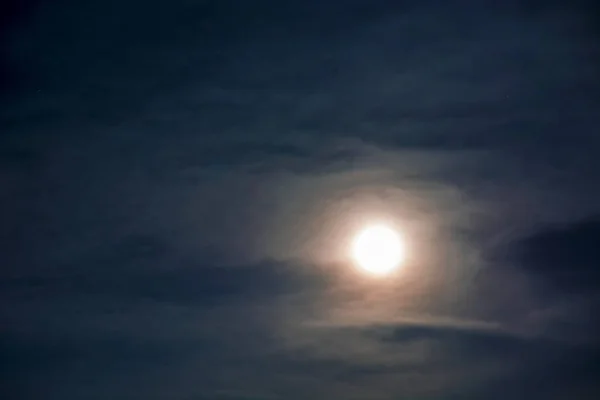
(378, 250)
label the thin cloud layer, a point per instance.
(179, 183)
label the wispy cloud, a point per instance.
(178, 183)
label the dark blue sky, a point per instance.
(179, 181)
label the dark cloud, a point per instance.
(462, 341)
(144, 268)
(435, 359)
(558, 264)
(565, 257)
(531, 362)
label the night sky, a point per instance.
(180, 181)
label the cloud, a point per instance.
(554, 269)
(175, 180)
(143, 267)
(138, 306)
(564, 257)
(464, 343)
(428, 361)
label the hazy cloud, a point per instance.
(179, 183)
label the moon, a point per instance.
(378, 250)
